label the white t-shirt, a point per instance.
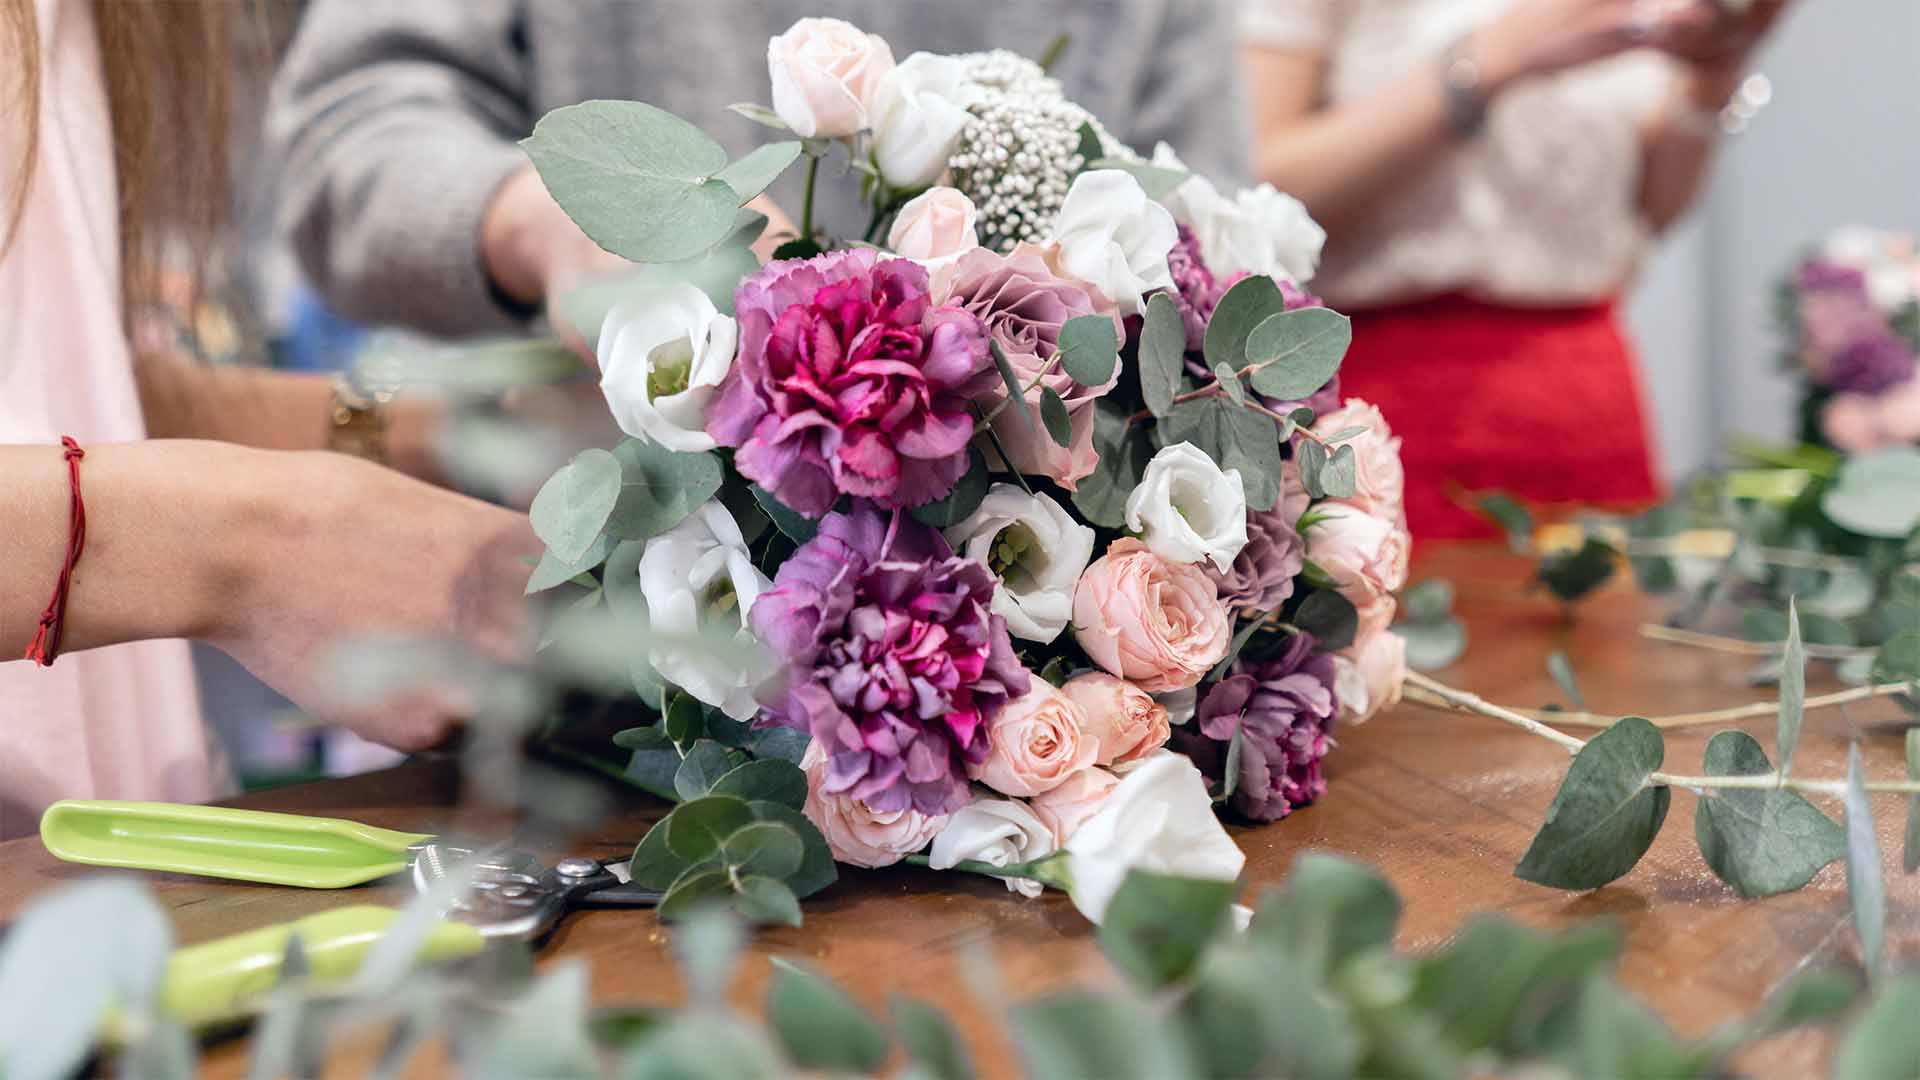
(1540, 207)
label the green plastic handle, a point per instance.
(219, 841)
(223, 980)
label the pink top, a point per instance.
(121, 722)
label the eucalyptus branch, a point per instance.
(1436, 694)
(806, 199)
(1755, 711)
(1212, 389)
(1740, 647)
(1671, 547)
(987, 420)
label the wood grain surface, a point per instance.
(1444, 804)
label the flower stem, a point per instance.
(806, 200)
(1734, 714)
(1741, 647)
(1433, 693)
(987, 420)
(1025, 871)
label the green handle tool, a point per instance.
(218, 841)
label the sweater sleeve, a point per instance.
(1192, 95)
(395, 124)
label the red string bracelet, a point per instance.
(46, 640)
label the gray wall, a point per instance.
(1840, 144)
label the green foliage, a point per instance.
(552, 571)
(659, 488)
(1241, 310)
(1606, 813)
(1156, 181)
(820, 1026)
(1514, 519)
(1089, 349)
(750, 175)
(715, 272)
(1333, 909)
(1865, 889)
(1329, 617)
(1571, 575)
(1124, 452)
(1561, 668)
(1761, 841)
(1235, 438)
(1434, 637)
(573, 506)
(643, 183)
(1229, 382)
(1081, 1034)
(1053, 414)
(706, 762)
(1157, 926)
(544, 1033)
(931, 1043)
(767, 779)
(1163, 353)
(1885, 1042)
(960, 503)
(790, 523)
(1793, 693)
(1877, 494)
(1340, 474)
(1898, 659)
(1294, 353)
(1016, 393)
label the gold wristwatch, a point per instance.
(358, 413)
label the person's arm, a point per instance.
(1347, 159)
(274, 557)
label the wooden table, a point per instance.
(1443, 803)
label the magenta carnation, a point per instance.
(894, 662)
(850, 382)
(1285, 706)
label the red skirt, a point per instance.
(1542, 403)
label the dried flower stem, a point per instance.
(1439, 695)
(1754, 711)
(1740, 647)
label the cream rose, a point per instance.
(1158, 818)
(826, 75)
(1111, 236)
(1366, 555)
(1369, 675)
(1157, 624)
(1037, 741)
(1187, 509)
(1122, 718)
(934, 228)
(662, 359)
(1067, 807)
(856, 834)
(1380, 481)
(999, 832)
(919, 110)
(1036, 550)
(699, 581)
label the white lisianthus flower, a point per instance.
(919, 111)
(1186, 509)
(1111, 236)
(1158, 818)
(1000, 832)
(1036, 550)
(662, 359)
(1261, 230)
(699, 583)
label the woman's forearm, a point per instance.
(1679, 145)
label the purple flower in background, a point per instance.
(1871, 365)
(849, 381)
(1285, 706)
(1817, 276)
(893, 661)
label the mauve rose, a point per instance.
(826, 73)
(1365, 554)
(1024, 303)
(856, 833)
(1124, 720)
(1380, 480)
(1159, 625)
(1262, 575)
(1035, 742)
(1064, 809)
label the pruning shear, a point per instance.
(512, 896)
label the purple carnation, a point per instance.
(1285, 707)
(1195, 291)
(893, 660)
(1871, 365)
(849, 382)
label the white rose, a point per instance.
(698, 581)
(1186, 509)
(1035, 549)
(918, 113)
(1260, 230)
(1159, 818)
(934, 229)
(1111, 236)
(1000, 832)
(662, 359)
(826, 73)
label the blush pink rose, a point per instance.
(1852, 423)
(1900, 412)
(1156, 624)
(1122, 718)
(1380, 481)
(1379, 667)
(1037, 742)
(1366, 555)
(1067, 807)
(936, 224)
(825, 74)
(855, 833)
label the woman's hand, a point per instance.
(1540, 37)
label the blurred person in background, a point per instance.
(1490, 174)
(409, 203)
(112, 122)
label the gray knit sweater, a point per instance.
(395, 120)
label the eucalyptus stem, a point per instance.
(1430, 692)
(1773, 556)
(974, 866)
(1754, 711)
(1721, 643)
(987, 420)
(806, 199)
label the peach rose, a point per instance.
(1365, 554)
(935, 225)
(1369, 675)
(1124, 719)
(825, 76)
(1851, 422)
(1037, 742)
(1380, 480)
(1067, 807)
(1156, 624)
(856, 834)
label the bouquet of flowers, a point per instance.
(1016, 544)
(1852, 312)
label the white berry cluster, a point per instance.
(1018, 155)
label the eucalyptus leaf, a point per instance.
(1252, 1012)
(685, 722)
(1312, 458)
(1249, 625)
(1294, 353)
(1877, 494)
(708, 949)
(750, 175)
(1341, 473)
(791, 523)
(650, 737)
(1236, 749)
(1082, 1034)
(769, 779)
(1089, 349)
(1428, 600)
(1332, 910)
(1761, 841)
(1514, 519)
(767, 848)
(1496, 979)
(1250, 302)
(715, 272)
(759, 114)
(817, 869)
(1865, 889)
(659, 488)
(639, 181)
(1910, 851)
(552, 572)
(1124, 452)
(1433, 645)
(1157, 925)
(1010, 379)
(1053, 413)
(573, 506)
(761, 899)
(933, 1045)
(1235, 438)
(820, 1025)
(1570, 575)
(696, 828)
(1090, 147)
(702, 1045)
(1561, 669)
(1616, 1036)
(1330, 617)
(959, 504)
(696, 892)
(1793, 691)
(544, 1033)
(1156, 181)
(1606, 813)
(1898, 659)
(1229, 383)
(705, 763)
(1163, 353)
(1884, 1042)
